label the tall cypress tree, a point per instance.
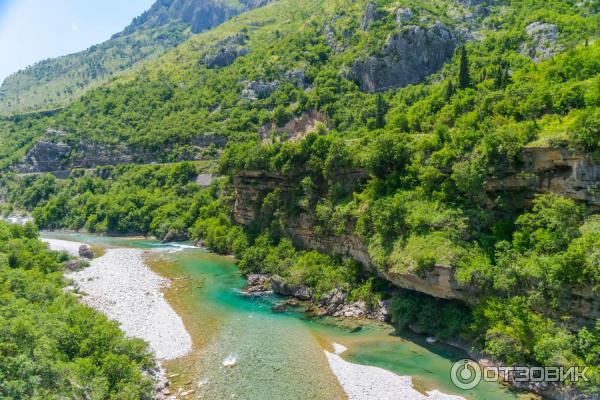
(464, 77)
(449, 90)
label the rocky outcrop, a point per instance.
(257, 90)
(296, 128)
(204, 180)
(46, 156)
(541, 44)
(335, 304)
(198, 15)
(552, 170)
(55, 155)
(281, 287)
(17, 219)
(297, 77)
(409, 56)
(257, 283)
(557, 170)
(371, 15)
(224, 57)
(403, 15)
(226, 52)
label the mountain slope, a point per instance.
(54, 82)
(450, 147)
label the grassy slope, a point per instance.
(54, 83)
(176, 97)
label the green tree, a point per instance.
(464, 75)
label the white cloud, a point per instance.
(74, 27)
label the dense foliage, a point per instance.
(157, 200)
(52, 347)
(404, 171)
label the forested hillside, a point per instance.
(53, 83)
(370, 144)
(51, 346)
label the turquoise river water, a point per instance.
(277, 355)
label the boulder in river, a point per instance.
(85, 251)
(281, 287)
(335, 303)
(257, 283)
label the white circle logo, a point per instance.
(465, 374)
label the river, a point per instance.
(245, 350)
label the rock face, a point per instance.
(542, 41)
(281, 287)
(251, 187)
(555, 170)
(58, 156)
(551, 170)
(371, 15)
(226, 52)
(224, 57)
(45, 157)
(409, 56)
(403, 15)
(256, 90)
(296, 128)
(199, 15)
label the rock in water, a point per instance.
(282, 288)
(409, 56)
(230, 361)
(85, 251)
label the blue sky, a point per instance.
(33, 30)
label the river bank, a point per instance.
(242, 348)
(120, 285)
(364, 382)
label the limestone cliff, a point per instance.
(546, 170)
(56, 155)
(408, 57)
(552, 170)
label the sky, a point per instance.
(33, 30)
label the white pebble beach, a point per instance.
(361, 382)
(63, 245)
(120, 285)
